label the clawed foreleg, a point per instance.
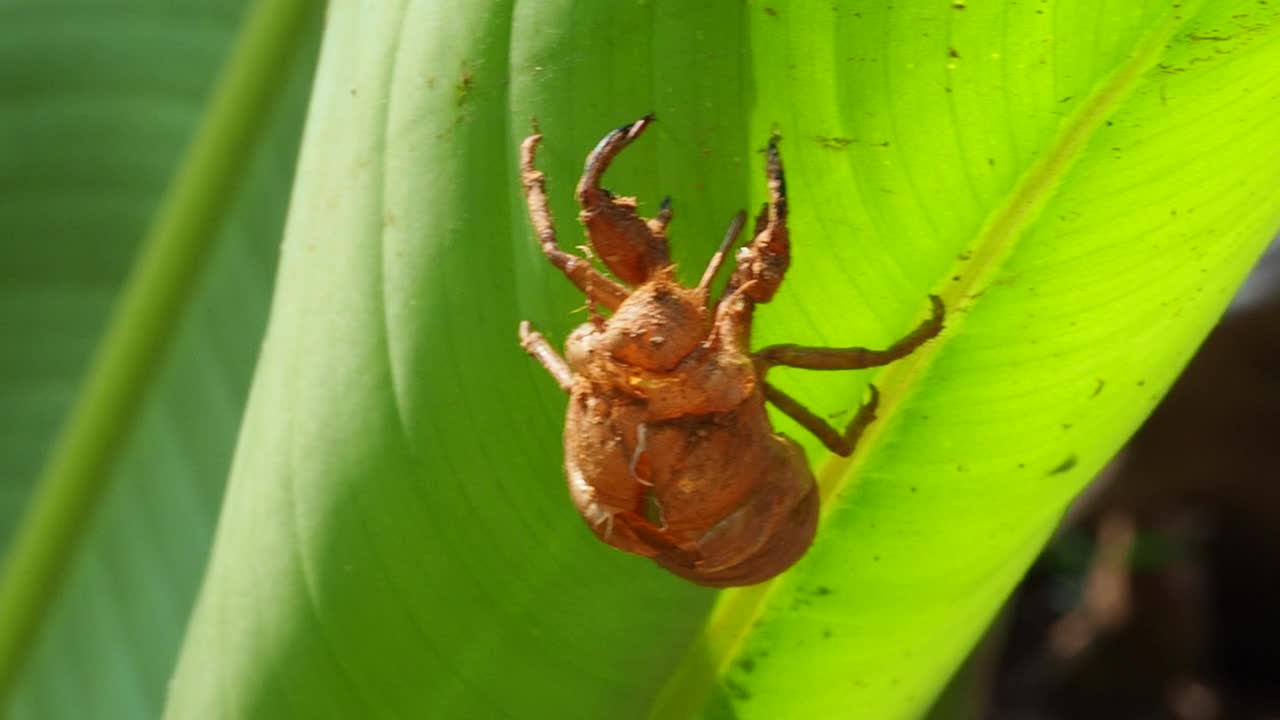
(598, 288)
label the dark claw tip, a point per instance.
(634, 129)
(665, 204)
(636, 126)
(773, 160)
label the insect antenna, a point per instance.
(717, 260)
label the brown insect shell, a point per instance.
(658, 325)
(656, 348)
(625, 243)
(736, 503)
(662, 408)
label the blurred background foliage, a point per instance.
(99, 103)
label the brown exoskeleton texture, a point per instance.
(667, 446)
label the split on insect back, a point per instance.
(669, 452)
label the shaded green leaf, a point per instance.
(99, 106)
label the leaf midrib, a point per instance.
(738, 610)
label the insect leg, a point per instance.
(658, 225)
(827, 358)
(604, 153)
(629, 246)
(598, 288)
(730, 237)
(760, 265)
(536, 345)
(839, 443)
(764, 261)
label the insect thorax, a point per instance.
(658, 325)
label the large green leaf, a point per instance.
(1087, 184)
(98, 105)
(1084, 183)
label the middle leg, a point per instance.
(536, 345)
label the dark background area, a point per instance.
(1160, 595)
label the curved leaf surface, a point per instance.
(1084, 184)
